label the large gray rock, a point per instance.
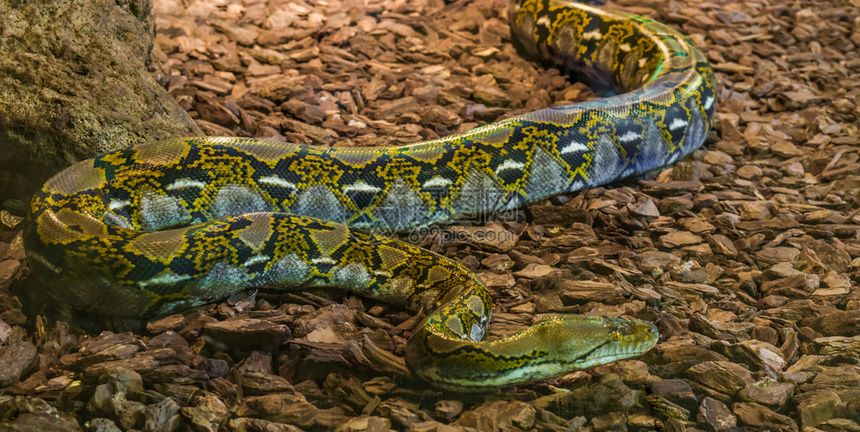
(73, 84)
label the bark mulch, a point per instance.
(746, 255)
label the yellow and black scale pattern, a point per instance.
(156, 229)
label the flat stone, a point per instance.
(436, 115)
(697, 225)
(10, 405)
(139, 364)
(259, 384)
(128, 414)
(678, 359)
(309, 113)
(279, 408)
(433, 426)
(612, 421)
(17, 359)
(768, 392)
(496, 280)
(177, 374)
(490, 95)
(646, 208)
(843, 378)
(698, 289)
(247, 333)
(749, 172)
(103, 425)
(759, 416)
(336, 317)
(106, 347)
(677, 391)
(162, 416)
(366, 423)
(403, 413)
(723, 245)
(765, 334)
(760, 356)
(779, 254)
(243, 35)
(799, 286)
(755, 210)
(782, 270)
(573, 291)
(173, 322)
(399, 106)
(499, 414)
(665, 409)
(804, 369)
(679, 238)
(839, 323)
(317, 135)
(115, 383)
(724, 377)
(576, 236)
(498, 262)
(448, 409)
(538, 271)
(553, 215)
(651, 260)
(246, 424)
(29, 422)
(816, 407)
(840, 425)
(717, 157)
(678, 204)
(641, 421)
(633, 372)
(205, 413)
(491, 237)
(716, 414)
(837, 345)
(835, 280)
(785, 149)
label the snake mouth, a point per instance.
(620, 353)
(639, 348)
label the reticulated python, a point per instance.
(156, 229)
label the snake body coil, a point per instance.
(157, 229)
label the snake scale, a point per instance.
(157, 229)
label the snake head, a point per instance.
(631, 337)
(557, 345)
(592, 340)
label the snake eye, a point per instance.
(616, 335)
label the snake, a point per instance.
(160, 228)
